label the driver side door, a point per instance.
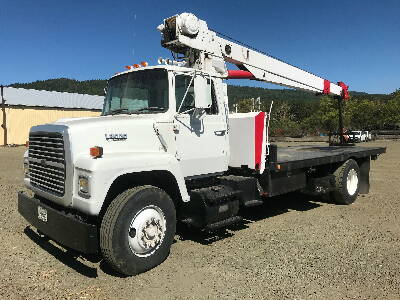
(201, 138)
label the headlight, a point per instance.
(83, 186)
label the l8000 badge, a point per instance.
(116, 136)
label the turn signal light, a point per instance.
(136, 66)
(96, 152)
(128, 67)
(144, 63)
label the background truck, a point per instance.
(358, 136)
(166, 149)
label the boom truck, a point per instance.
(166, 150)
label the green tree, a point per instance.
(392, 113)
(364, 114)
(283, 120)
(245, 105)
(326, 117)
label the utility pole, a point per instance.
(3, 108)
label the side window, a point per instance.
(181, 84)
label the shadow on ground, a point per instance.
(67, 257)
(271, 207)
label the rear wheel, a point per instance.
(347, 181)
(138, 229)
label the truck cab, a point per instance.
(154, 118)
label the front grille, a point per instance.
(47, 162)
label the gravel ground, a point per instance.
(292, 247)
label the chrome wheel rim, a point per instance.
(146, 231)
(352, 182)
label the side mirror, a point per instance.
(202, 92)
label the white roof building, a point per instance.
(25, 97)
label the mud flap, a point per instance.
(364, 175)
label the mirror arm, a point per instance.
(187, 111)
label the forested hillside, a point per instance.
(235, 93)
(294, 112)
(91, 87)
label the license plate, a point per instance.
(42, 213)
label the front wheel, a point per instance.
(347, 181)
(138, 229)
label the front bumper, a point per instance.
(66, 229)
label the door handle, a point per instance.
(220, 132)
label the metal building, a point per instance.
(22, 108)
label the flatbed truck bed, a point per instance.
(314, 168)
(305, 156)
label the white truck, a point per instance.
(358, 136)
(166, 150)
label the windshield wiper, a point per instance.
(151, 108)
(117, 111)
(125, 110)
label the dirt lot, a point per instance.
(292, 247)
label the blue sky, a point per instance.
(357, 41)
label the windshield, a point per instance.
(137, 92)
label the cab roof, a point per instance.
(165, 67)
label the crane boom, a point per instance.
(202, 48)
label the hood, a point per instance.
(116, 134)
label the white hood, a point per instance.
(125, 133)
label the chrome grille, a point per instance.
(47, 161)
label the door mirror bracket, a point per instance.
(199, 113)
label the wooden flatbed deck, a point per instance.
(295, 157)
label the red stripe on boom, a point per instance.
(239, 74)
(259, 124)
(327, 87)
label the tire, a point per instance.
(151, 214)
(347, 182)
